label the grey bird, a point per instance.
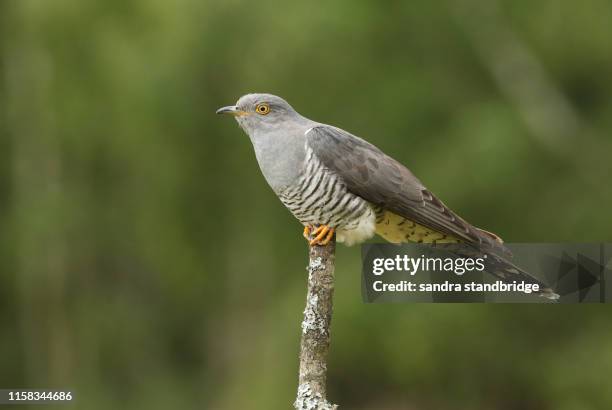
(332, 180)
(335, 182)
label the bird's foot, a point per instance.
(321, 235)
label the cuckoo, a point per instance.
(335, 182)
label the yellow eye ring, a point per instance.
(262, 109)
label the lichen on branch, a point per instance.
(314, 347)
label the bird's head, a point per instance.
(259, 112)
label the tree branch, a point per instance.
(312, 391)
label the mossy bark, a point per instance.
(314, 348)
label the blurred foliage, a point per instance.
(146, 264)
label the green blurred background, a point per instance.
(147, 265)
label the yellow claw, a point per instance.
(306, 233)
(328, 238)
(322, 235)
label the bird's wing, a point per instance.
(381, 180)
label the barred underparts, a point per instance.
(320, 197)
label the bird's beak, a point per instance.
(231, 110)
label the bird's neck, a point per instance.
(280, 154)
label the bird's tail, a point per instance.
(509, 272)
(505, 270)
(491, 235)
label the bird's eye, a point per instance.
(262, 109)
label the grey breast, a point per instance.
(319, 196)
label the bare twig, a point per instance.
(312, 392)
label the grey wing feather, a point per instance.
(381, 180)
